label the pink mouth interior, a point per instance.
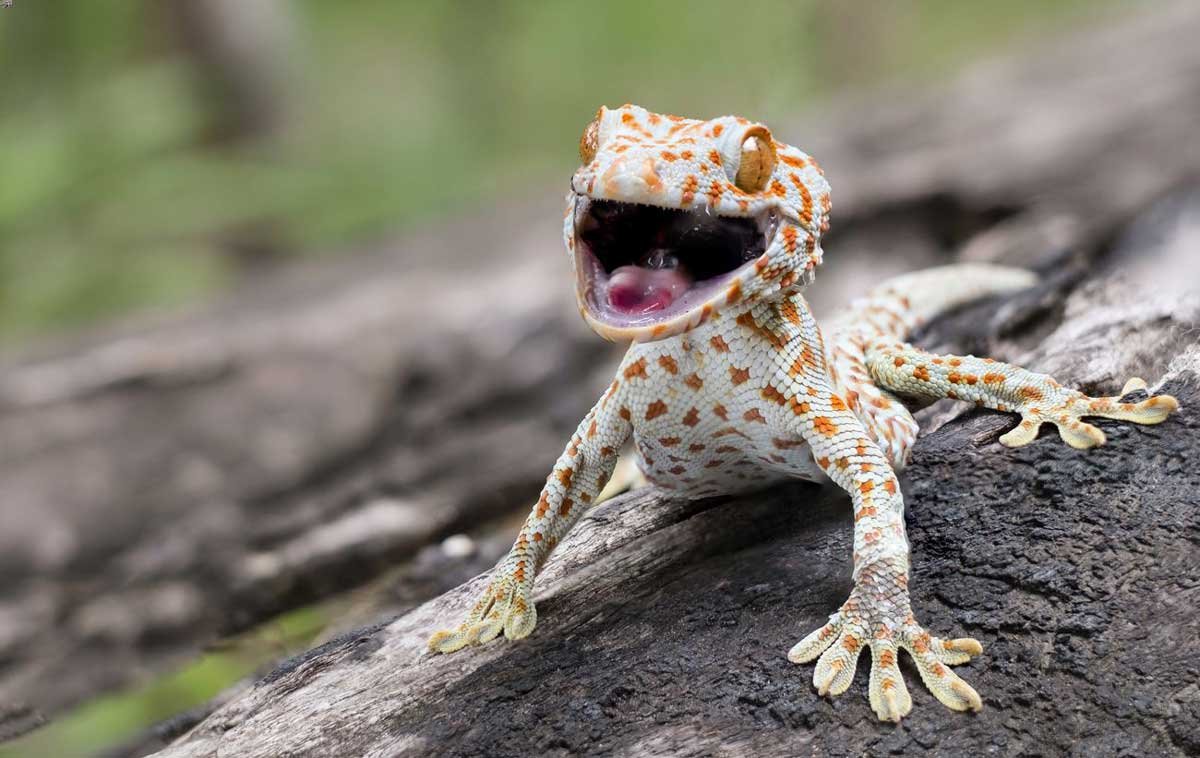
(635, 291)
(642, 265)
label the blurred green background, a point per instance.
(156, 152)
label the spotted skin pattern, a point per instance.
(743, 391)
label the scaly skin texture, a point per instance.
(743, 390)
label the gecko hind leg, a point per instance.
(1038, 398)
(1068, 418)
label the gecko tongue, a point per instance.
(637, 290)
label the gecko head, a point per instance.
(671, 220)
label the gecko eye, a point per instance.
(590, 140)
(757, 160)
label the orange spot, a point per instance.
(898, 362)
(537, 536)
(825, 426)
(668, 441)
(850, 644)
(695, 447)
(734, 293)
(1032, 394)
(778, 189)
(606, 451)
(753, 415)
(624, 413)
(823, 462)
(564, 476)
(866, 486)
(542, 506)
(836, 403)
(788, 311)
(921, 643)
(591, 432)
(717, 129)
(668, 363)
(890, 486)
(738, 375)
(691, 418)
(993, 378)
(921, 373)
(719, 344)
(805, 212)
(694, 381)
(793, 162)
(726, 449)
(720, 411)
(637, 368)
(953, 377)
(775, 396)
(655, 409)
(565, 508)
(668, 156)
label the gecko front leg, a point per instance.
(506, 604)
(878, 615)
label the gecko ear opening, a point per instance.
(757, 160)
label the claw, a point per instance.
(815, 643)
(1081, 435)
(888, 695)
(1133, 385)
(1023, 433)
(839, 648)
(503, 607)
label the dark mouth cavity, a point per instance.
(697, 243)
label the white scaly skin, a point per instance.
(740, 390)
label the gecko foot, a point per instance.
(1067, 415)
(505, 606)
(840, 642)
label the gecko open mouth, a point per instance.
(641, 264)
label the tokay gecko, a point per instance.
(694, 241)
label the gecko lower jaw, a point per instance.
(641, 265)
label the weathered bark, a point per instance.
(179, 481)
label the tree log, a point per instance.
(176, 481)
